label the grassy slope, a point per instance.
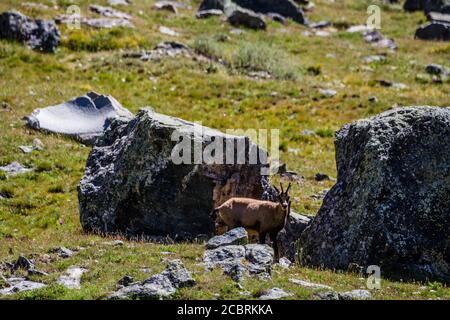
(43, 212)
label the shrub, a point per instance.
(263, 57)
(206, 46)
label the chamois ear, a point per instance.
(289, 186)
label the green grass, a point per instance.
(40, 210)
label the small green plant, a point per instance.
(206, 46)
(325, 132)
(59, 188)
(43, 166)
(263, 57)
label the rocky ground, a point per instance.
(307, 81)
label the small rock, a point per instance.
(178, 274)
(236, 236)
(20, 284)
(327, 295)
(109, 12)
(328, 93)
(437, 69)
(72, 277)
(243, 17)
(119, 2)
(168, 31)
(274, 294)
(321, 177)
(437, 31)
(374, 58)
(355, 295)
(166, 5)
(23, 263)
(63, 252)
(126, 281)
(358, 28)
(35, 272)
(14, 168)
(309, 285)
(285, 263)
(373, 99)
(208, 13)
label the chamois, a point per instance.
(265, 217)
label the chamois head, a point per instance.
(283, 196)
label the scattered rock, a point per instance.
(159, 286)
(109, 12)
(133, 186)
(274, 294)
(126, 281)
(208, 13)
(38, 34)
(359, 28)
(98, 23)
(63, 252)
(119, 2)
(35, 272)
(35, 5)
(378, 40)
(223, 255)
(236, 236)
(320, 25)
(310, 285)
(23, 263)
(373, 99)
(439, 17)
(396, 85)
(14, 168)
(178, 275)
(246, 18)
(288, 236)
(170, 6)
(389, 205)
(20, 284)
(321, 177)
(260, 256)
(327, 295)
(37, 145)
(168, 31)
(374, 58)
(83, 118)
(355, 295)
(285, 263)
(437, 69)
(434, 31)
(164, 49)
(72, 277)
(328, 93)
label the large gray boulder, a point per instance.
(38, 34)
(288, 236)
(285, 8)
(136, 184)
(390, 205)
(83, 118)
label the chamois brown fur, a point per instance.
(265, 217)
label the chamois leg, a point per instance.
(273, 238)
(262, 237)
